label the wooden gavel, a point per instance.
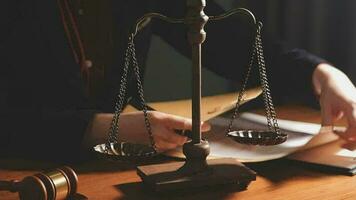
(58, 184)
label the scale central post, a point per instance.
(196, 171)
(196, 20)
(197, 150)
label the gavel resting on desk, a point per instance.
(58, 184)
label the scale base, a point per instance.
(173, 176)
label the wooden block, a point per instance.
(170, 176)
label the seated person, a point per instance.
(47, 104)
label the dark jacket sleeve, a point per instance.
(43, 106)
(227, 51)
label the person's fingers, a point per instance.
(350, 133)
(181, 123)
(339, 115)
(327, 118)
(176, 122)
(164, 126)
(205, 126)
(170, 136)
(171, 124)
(162, 146)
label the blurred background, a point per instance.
(326, 28)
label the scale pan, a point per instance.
(257, 137)
(124, 151)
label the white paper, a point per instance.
(347, 153)
(299, 134)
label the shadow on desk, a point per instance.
(265, 169)
(283, 170)
(88, 166)
(134, 191)
(276, 172)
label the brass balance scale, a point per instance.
(196, 171)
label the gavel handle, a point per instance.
(11, 186)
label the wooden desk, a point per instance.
(279, 179)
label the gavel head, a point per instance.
(58, 184)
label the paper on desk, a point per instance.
(300, 134)
(212, 106)
(347, 153)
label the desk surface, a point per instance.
(279, 179)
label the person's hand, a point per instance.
(337, 98)
(132, 129)
(163, 129)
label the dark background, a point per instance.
(325, 28)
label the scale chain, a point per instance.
(113, 132)
(142, 98)
(130, 58)
(257, 54)
(271, 114)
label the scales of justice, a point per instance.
(197, 170)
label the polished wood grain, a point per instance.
(279, 179)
